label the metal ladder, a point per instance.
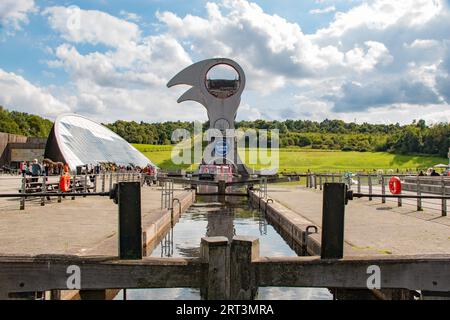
(166, 194)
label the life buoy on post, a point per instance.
(64, 183)
(395, 185)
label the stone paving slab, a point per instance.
(375, 227)
(70, 227)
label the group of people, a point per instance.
(108, 167)
(36, 169)
(430, 173)
(47, 167)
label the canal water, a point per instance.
(212, 219)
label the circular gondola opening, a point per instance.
(222, 81)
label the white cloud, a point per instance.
(422, 44)
(378, 56)
(323, 10)
(19, 94)
(247, 112)
(91, 26)
(13, 13)
(131, 16)
(271, 49)
(377, 53)
(382, 14)
(126, 81)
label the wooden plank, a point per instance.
(24, 274)
(215, 252)
(242, 276)
(43, 273)
(407, 272)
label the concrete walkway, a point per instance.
(372, 227)
(70, 227)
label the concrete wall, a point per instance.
(5, 139)
(27, 148)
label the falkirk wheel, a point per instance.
(220, 97)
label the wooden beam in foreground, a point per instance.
(42, 273)
(396, 272)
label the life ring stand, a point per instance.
(64, 183)
(395, 185)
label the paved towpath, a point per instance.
(70, 227)
(372, 227)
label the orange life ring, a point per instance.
(64, 183)
(395, 185)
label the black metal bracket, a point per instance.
(114, 194)
(348, 195)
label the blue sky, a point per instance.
(377, 61)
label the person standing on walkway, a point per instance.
(23, 168)
(36, 170)
(434, 174)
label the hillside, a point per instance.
(417, 138)
(301, 160)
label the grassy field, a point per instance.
(300, 160)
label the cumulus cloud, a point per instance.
(383, 14)
(269, 47)
(378, 56)
(91, 26)
(13, 13)
(19, 94)
(128, 80)
(131, 16)
(360, 97)
(443, 75)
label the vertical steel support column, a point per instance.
(222, 187)
(419, 193)
(383, 189)
(74, 188)
(103, 181)
(130, 229)
(43, 189)
(444, 201)
(85, 182)
(95, 182)
(23, 190)
(359, 183)
(370, 187)
(333, 221)
(59, 191)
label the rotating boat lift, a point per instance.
(220, 97)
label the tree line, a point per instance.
(414, 138)
(25, 124)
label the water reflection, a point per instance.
(216, 219)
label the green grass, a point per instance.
(160, 155)
(300, 160)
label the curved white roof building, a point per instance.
(77, 140)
